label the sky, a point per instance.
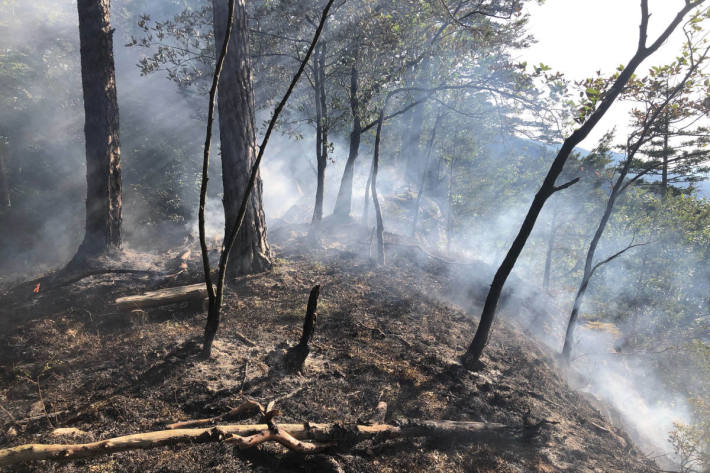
(579, 37)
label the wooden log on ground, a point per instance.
(322, 435)
(160, 297)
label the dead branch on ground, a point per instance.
(305, 437)
(161, 297)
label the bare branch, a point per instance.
(616, 255)
(643, 33)
(565, 185)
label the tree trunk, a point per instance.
(103, 164)
(449, 207)
(410, 151)
(425, 175)
(666, 153)
(235, 102)
(548, 254)
(473, 354)
(380, 230)
(343, 204)
(589, 260)
(366, 206)
(321, 129)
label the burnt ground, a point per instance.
(69, 358)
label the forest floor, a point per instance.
(69, 358)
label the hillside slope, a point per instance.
(69, 359)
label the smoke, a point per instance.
(161, 138)
(43, 124)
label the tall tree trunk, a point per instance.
(5, 201)
(425, 174)
(343, 204)
(380, 229)
(366, 206)
(235, 102)
(548, 254)
(616, 190)
(410, 151)
(321, 129)
(103, 163)
(666, 153)
(473, 354)
(450, 206)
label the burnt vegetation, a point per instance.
(350, 235)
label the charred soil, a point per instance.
(69, 358)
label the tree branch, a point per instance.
(289, 435)
(616, 255)
(565, 185)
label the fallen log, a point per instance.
(160, 297)
(244, 436)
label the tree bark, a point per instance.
(380, 229)
(666, 153)
(425, 174)
(321, 129)
(368, 185)
(343, 203)
(235, 102)
(548, 253)
(232, 230)
(309, 322)
(101, 130)
(296, 355)
(410, 151)
(450, 206)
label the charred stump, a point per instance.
(296, 356)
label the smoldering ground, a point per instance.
(161, 141)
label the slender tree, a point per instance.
(343, 202)
(322, 124)
(593, 114)
(425, 173)
(103, 155)
(5, 201)
(215, 293)
(655, 119)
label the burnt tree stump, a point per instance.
(296, 356)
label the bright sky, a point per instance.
(579, 37)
